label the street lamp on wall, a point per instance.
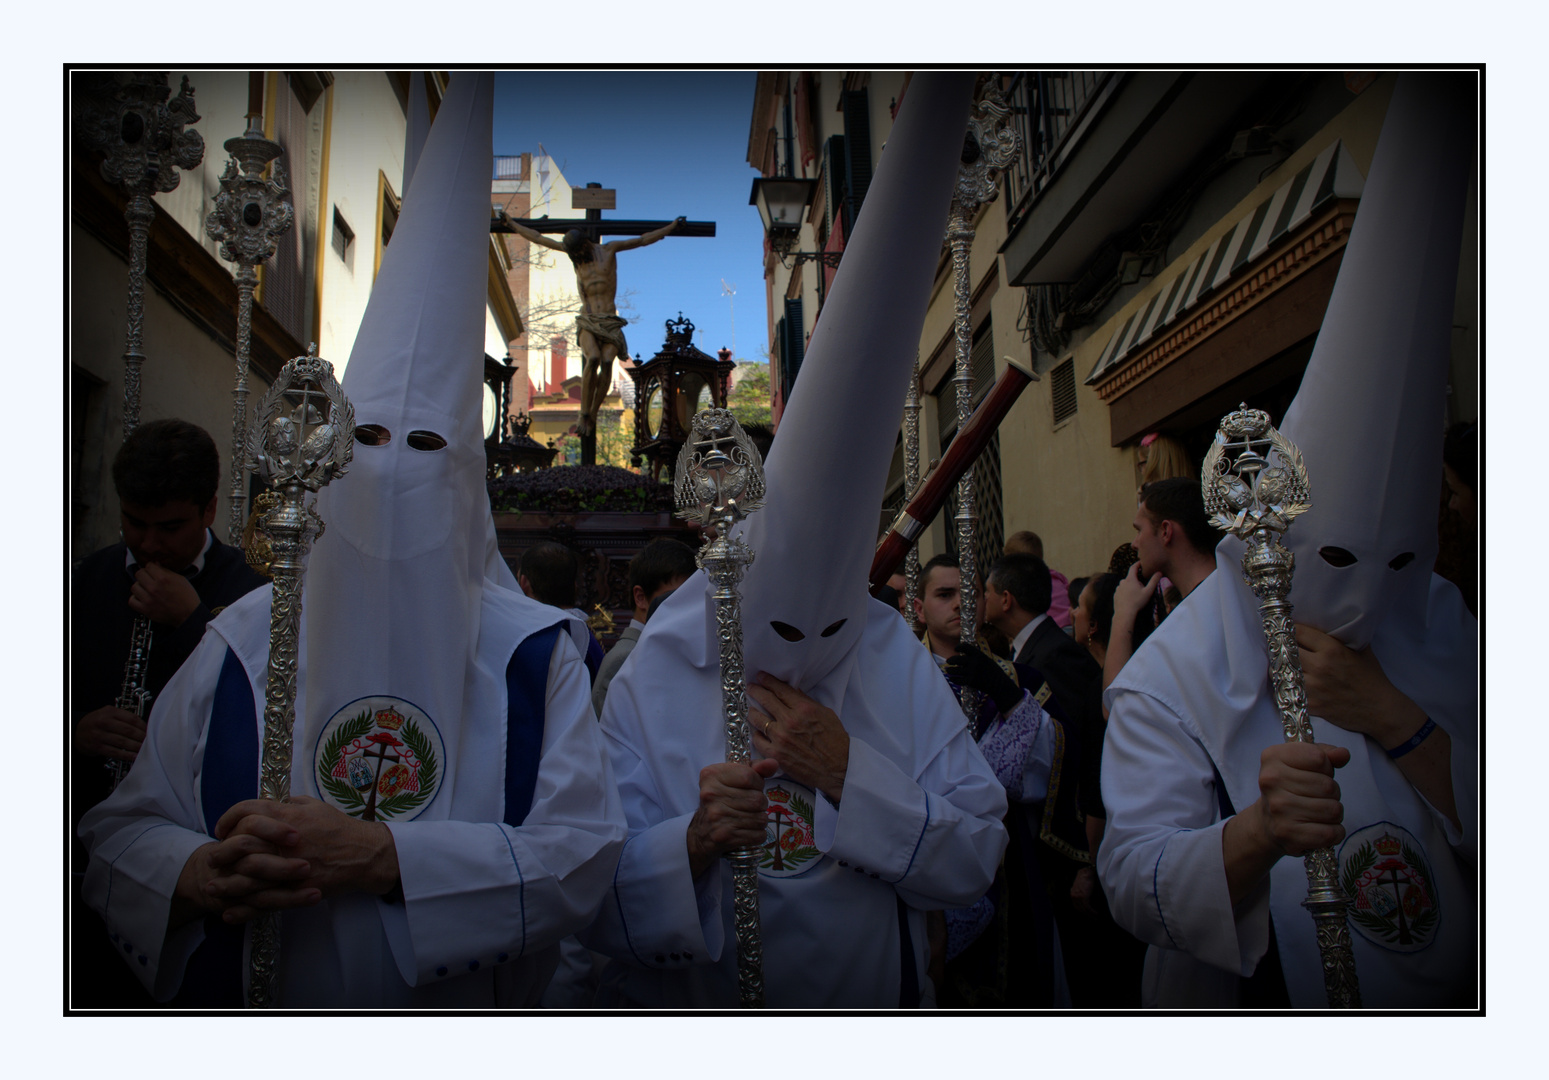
(782, 203)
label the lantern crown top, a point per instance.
(680, 331)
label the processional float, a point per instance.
(140, 134)
(720, 481)
(296, 447)
(1254, 486)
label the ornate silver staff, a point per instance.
(720, 481)
(143, 145)
(293, 448)
(1256, 501)
(250, 215)
(912, 482)
(990, 145)
(140, 133)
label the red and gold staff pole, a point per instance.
(297, 448)
(954, 464)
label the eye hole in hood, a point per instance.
(787, 631)
(1337, 556)
(1401, 560)
(834, 629)
(425, 440)
(372, 435)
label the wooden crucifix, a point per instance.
(599, 328)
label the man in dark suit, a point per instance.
(170, 568)
(1016, 603)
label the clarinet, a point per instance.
(133, 696)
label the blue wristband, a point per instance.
(1414, 740)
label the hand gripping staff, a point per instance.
(296, 450)
(720, 481)
(1256, 501)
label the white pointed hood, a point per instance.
(826, 474)
(417, 129)
(393, 592)
(1370, 412)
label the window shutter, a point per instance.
(795, 346)
(833, 180)
(857, 136)
(1062, 386)
(779, 355)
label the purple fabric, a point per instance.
(1007, 744)
(964, 925)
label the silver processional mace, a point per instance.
(140, 134)
(302, 437)
(251, 214)
(719, 481)
(990, 145)
(1256, 500)
(912, 483)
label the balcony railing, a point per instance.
(1047, 107)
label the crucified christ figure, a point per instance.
(599, 327)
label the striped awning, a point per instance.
(1330, 175)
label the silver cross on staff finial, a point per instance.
(1244, 490)
(720, 475)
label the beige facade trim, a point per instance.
(501, 301)
(1322, 237)
(324, 215)
(385, 197)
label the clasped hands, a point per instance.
(270, 856)
(791, 732)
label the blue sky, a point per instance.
(669, 143)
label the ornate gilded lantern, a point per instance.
(670, 388)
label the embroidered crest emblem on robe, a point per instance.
(1382, 868)
(789, 848)
(379, 759)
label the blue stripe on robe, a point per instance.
(527, 685)
(213, 976)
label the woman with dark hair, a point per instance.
(1093, 619)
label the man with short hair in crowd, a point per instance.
(1173, 540)
(1030, 543)
(547, 574)
(170, 568)
(1173, 537)
(657, 569)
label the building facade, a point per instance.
(343, 135)
(1163, 248)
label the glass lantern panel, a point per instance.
(693, 395)
(653, 409)
(491, 406)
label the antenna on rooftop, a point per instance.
(730, 292)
